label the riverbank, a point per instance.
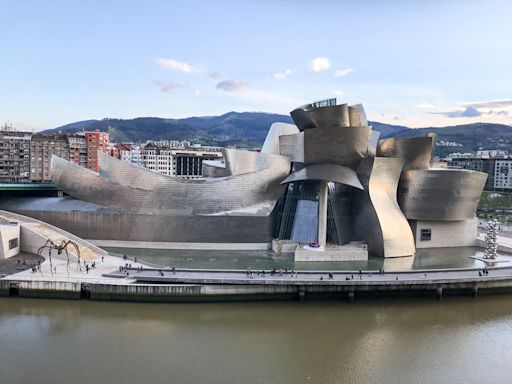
(194, 285)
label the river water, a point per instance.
(458, 340)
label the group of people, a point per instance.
(35, 266)
(125, 269)
(88, 267)
(273, 272)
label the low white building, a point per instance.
(9, 239)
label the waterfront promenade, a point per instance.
(111, 280)
(350, 278)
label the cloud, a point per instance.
(215, 75)
(175, 87)
(282, 75)
(177, 66)
(343, 72)
(231, 86)
(337, 92)
(320, 64)
(170, 87)
(488, 104)
(472, 109)
(467, 112)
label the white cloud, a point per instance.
(169, 87)
(282, 75)
(175, 87)
(320, 64)
(177, 66)
(488, 104)
(337, 92)
(231, 86)
(343, 72)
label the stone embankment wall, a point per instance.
(248, 292)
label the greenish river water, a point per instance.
(458, 340)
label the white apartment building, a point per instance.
(131, 154)
(180, 162)
(503, 174)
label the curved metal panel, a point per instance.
(111, 224)
(345, 146)
(292, 146)
(440, 194)
(363, 121)
(135, 189)
(276, 131)
(373, 142)
(326, 172)
(308, 116)
(301, 119)
(213, 168)
(377, 216)
(330, 116)
(416, 151)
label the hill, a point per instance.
(465, 138)
(246, 129)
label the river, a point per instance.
(457, 340)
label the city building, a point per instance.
(130, 153)
(14, 155)
(42, 148)
(184, 162)
(78, 149)
(492, 153)
(327, 184)
(503, 175)
(96, 142)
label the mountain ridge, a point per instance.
(248, 129)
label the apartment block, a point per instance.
(14, 155)
(96, 141)
(42, 148)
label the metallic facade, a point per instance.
(326, 172)
(328, 178)
(378, 219)
(104, 223)
(254, 186)
(416, 151)
(440, 194)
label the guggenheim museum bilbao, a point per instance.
(326, 180)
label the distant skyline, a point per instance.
(417, 64)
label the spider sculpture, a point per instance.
(62, 247)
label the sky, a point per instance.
(413, 63)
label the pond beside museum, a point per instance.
(439, 258)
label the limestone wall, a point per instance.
(461, 233)
(9, 232)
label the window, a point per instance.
(426, 234)
(13, 243)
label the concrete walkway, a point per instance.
(167, 276)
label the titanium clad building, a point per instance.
(326, 180)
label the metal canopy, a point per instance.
(326, 172)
